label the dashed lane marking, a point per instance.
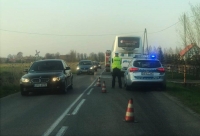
(78, 107)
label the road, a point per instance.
(85, 110)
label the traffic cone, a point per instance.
(103, 90)
(98, 82)
(129, 112)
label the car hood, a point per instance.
(43, 74)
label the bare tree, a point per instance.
(196, 13)
(191, 23)
(57, 55)
(72, 55)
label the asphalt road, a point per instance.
(85, 110)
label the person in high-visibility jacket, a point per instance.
(116, 66)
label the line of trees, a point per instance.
(168, 56)
(72, 56)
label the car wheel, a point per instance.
(127, 87)
(163, 86)
(64, 87)
(71, 86)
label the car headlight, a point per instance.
(25, 80)
(91, 67)
(77, 68)
(54, 79)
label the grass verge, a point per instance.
(189, 96)
(8, 89)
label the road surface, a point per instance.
(85, 110)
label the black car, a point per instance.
(95, 63)
(47, 75)
(98, 65)
(85, 66)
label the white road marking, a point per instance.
(78, 107)
(53, 126)
(90, 91)
(62, 131)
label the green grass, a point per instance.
(189, 96)
(8, 89)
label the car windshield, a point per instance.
(46, 66)
(147, 64)
(85, 63)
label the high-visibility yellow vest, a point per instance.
(116, 63)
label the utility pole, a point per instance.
(145, 40)
(185, 42)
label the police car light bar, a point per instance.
(145, 56)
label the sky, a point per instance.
(86, 26)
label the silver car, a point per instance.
(144, 71)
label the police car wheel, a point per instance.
(163, 86)
(127, 87)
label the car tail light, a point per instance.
(161, 69)
(133, 69)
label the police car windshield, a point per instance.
(146, 63)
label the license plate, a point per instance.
(40, 85)
(147, 73)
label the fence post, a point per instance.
(184, 73)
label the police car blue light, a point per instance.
(153, 56)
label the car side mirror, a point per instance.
(67, 68)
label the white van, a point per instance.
(127, 47)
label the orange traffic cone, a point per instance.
(103, 90)
(98, 82)
(129, 112)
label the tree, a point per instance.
(19, 57)
(160, 55)
(72, 56)
(9, 58)
(192, 26)
(57, 55)
(49, 56)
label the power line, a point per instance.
(84, 35)
(64, 35)
(165, 28)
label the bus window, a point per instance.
(122, 54)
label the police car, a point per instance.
(145, 70)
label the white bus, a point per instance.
(127, 47)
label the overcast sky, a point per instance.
(86, 26)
